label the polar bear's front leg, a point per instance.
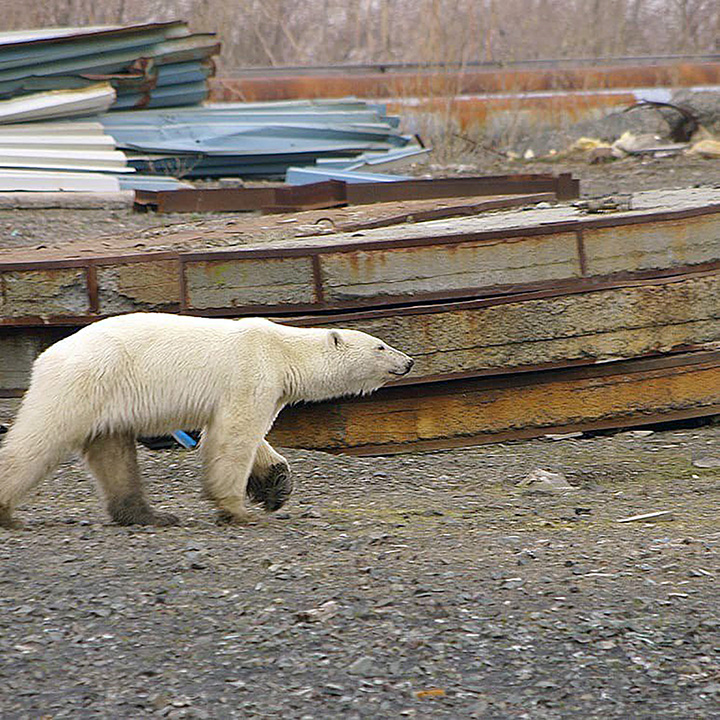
(270, 483)
(229, 445)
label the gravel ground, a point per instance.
(426, 586)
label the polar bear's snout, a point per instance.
(404, 366)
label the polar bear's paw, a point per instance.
(271, 489)
(135, 511)
(7, 521)
(225, 517)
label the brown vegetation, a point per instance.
(282, 32)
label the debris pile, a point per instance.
(136, 94)
(256, 139)
(690, 124)
(46, 71)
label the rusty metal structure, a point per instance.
(389, 81)
(521, 322)
(546, 92)
(334, 193)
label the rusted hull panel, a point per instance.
(650, 245)
(150, 286)
(468, 412)
(18, 350)
(391, 266)
(543, 329)
(412, 272)
(271, 281)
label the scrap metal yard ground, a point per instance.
(420, 585)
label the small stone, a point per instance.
(364, 666)
(707, 462)
(540, 479)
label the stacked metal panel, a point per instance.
(152, 65)
(68, 157)
(252, 139)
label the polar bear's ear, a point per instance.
(335, 339)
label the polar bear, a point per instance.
(151, 373)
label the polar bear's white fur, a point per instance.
(152, 373)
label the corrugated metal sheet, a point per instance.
(252, 139)
(63, 151)
(12, 180)
(58, 104)
(158, 64)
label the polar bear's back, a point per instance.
(147, 373)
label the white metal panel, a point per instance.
(90, 143)
(109, 161)
(47, 181)
(57, 127)
(58, 103)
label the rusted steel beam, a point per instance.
(436, 82)
(523, 405)
(333, 193)
(475, 208)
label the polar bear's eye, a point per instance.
(380, 347)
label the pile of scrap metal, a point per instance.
(138, 91)
(258, 139)
(65, 72)
(522, 323)
(50, 77)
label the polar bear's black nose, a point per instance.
(408, 366)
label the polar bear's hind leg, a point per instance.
(112, 459)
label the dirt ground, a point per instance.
(420, 585)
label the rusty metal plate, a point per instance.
(504, 334)
(410, 272)
(652, 244)
(468, 412)
(18, 350)
(234, 283)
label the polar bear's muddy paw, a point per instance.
(7, 521)
(135, 511)
(271, 489)
(225, 517)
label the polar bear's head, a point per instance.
(357, 363)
